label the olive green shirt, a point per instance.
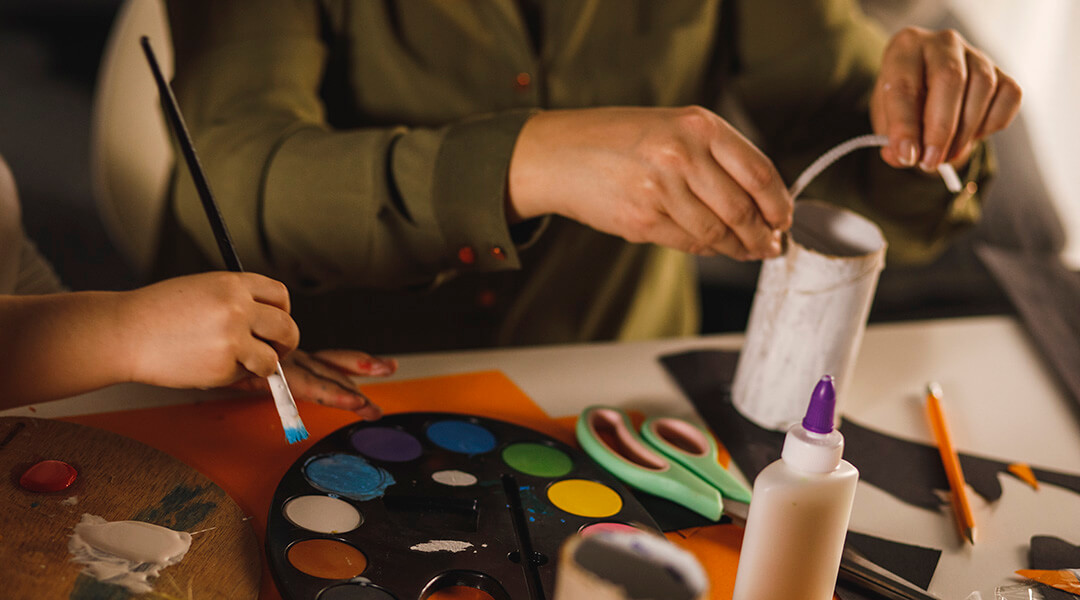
(359, 152)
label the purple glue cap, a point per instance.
(819, 415)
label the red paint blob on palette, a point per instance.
(48, 476)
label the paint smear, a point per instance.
(126, 553)
(455, 478)
(453, 546)
(585, 498)
(327, 559)
(322, 514)
(48, 476)
(462, 437)
(349, 476)
(540, 460)
(386, 443)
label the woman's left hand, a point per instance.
(936, 96)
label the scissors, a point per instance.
(676, 459)
(671, 458)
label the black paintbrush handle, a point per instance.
(176, 120)
(530, 559)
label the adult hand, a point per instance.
(679, 177)
(206, 330)
(326, 377)
(936, 96)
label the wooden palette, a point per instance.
(118, 479)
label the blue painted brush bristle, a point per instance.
(296, 434)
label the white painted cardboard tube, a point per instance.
(809, 314)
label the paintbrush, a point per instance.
(279, 388)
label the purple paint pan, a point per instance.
(386, 443)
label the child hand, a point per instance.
(325, 377)
(206, 330)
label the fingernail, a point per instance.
(930, 159)
(775, 248)
(907, 153)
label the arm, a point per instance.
(320, 206)
(199, 331)
(389, 206)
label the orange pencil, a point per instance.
(962, 509)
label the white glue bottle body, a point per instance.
(799, 512)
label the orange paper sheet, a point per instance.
(240, 446)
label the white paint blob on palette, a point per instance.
(126, 553)
(454, 477)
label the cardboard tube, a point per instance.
(627, 566)
(809, 314)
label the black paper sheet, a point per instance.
(910, 471)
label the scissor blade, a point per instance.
(736, 511)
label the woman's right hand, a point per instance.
(678, 177)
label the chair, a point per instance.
(131, 156)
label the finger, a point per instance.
(258, 357)
(324, 385)
(1003, 108)
(946, 77)
(902, 93)
(267, 291)
(709, 234)
(735, 213)
(276, 327)
(757, 176)
(981, 84)
(355, 362)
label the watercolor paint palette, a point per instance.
(415, 503)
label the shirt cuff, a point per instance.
(470, 192)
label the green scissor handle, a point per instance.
(607, 435)
(695, 449)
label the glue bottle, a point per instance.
(799, 512)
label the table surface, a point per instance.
(1003, 402)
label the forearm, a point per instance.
(59, 345)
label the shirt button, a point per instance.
(522, 81)
(498, 252)
(485, 298)
(466, 255)
(971, 188)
